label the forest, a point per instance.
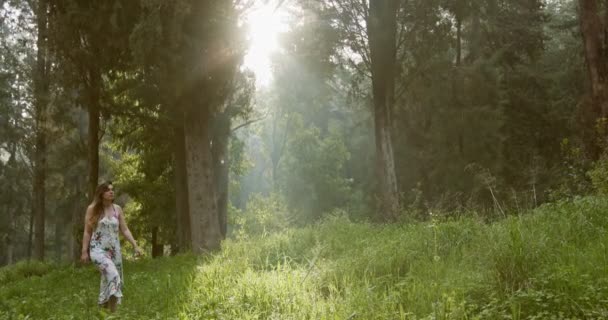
(309, 159)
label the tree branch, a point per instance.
(247, 123)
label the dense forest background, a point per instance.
(382, 111)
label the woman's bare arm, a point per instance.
(125, 230)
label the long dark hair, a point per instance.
(98, 204)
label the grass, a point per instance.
(549, 264)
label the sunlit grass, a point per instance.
(548, 264)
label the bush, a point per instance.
(22, 270)
(599, 175)
(263, 215)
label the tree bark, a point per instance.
(204, 220)
(9, 240)
(456, 84)
(58, 245)
(93, 93)
(157, 249)
(475, 38)
(9, 250)
(10, 205)
(596, 51)
(41, 87)
(382, 30)
(77, 223)
(221, 161)
(458, 40)
(30, 238)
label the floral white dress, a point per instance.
(105, 254)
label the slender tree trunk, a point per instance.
(382, 30)
(70, 239)
(30, 237)
(41, 84)
(458, 40)
(11, 207)
(9, 241)
(181, 188)
(456, 86)
(58, 239)
(9, 250)
(275, 156)
(278, 147)
(221, 161)
(204, 220)
(596, 53)
(157, 249)
(93, 93)
(77, 229)
(475, 39)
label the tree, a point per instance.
(237, 106)
(41, 93)
(91, 39)
(382, 32)
(595, 39)
(369, 32)
(197, 48)
(90, 42)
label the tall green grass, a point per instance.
(549, 264)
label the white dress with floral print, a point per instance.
(105, 254)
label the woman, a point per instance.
(101, 245)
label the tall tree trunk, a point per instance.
(9, 240)
(204, 220)
(70, 240)
(78, 209)
(157, 249)
(181, 188)
(278, 147)
(30, 237)
(456, 91)
(596, 53)
(41, 84)
(458, 40)
(476, 37)
(9, 249)
(77, 224)
(382, 30)
(221, 161)
(58, 239)
(182, 211)
(93, 94)
(11, 206)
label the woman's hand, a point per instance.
(138, 251)
(84, 257)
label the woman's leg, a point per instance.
(111, 282)
(114, 279)
(112, 303)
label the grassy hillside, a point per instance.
(548, 264)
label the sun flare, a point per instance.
(264, 24)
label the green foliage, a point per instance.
(599, 175)
(264, 215)
(23, 270)
(571, 177)
(146, 180)
(549, 264)
(313, 172)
